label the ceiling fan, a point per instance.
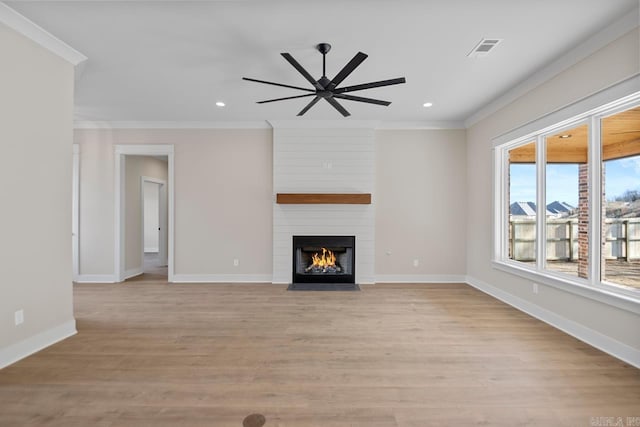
(328, 89)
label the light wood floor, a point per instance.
(152, 354)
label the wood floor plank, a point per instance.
(150, 353)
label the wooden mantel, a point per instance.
(323, 198)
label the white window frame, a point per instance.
(590, 110)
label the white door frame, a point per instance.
(75, 213)
(140, 150)
(162, 218)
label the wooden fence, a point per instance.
(622, 239)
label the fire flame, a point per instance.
(328, 259)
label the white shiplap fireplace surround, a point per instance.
(323, 159)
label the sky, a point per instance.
(562, 180)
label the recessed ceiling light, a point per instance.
(428, 104)
(565, 136)
(220, 104)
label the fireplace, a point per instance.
(324, 263)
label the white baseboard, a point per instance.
(602, 342)
(420, 278)
(18, 351)
(133, 272)
(151, 250)
(96, 278)
(222, 278)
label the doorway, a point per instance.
(129, 200)
(154, 228)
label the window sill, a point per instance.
(603, 293)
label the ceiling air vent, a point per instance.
(483, 48)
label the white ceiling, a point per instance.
(171, 61)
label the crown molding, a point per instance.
(34, 32)
(365, 124)
(426, 125)
(591, 45)
(323, 124)
(85, 124)
(272, 124)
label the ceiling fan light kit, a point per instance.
(326, 89)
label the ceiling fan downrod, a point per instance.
(324, 48)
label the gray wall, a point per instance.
(36, 112)
(421, 204)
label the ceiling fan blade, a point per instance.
(302, 71)
(371, 85)
(287, 97)
(278, 84)
(348, 69)
(309, 105)
(338, 107)
(361, 99)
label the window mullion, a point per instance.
(504, 199)
(500, 201)
(595, 201)
(541, 207)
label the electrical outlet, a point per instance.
(535, 288)
(416, 262)
(18, 317)
(236, 262)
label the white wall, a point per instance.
(323, 160)
(135, 168)
(36, 112)
(607, 66)
(97, 210)
(151, 216)
(421, 205)
(223, 191)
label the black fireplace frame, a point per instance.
(326, 241)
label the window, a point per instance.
(568, 198)
(621, 198)
(567, 201)
(522, 205)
